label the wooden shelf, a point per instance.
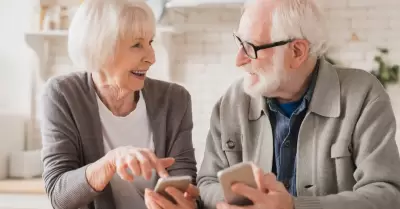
(22, 186)
(169, 4)
(60, 2)
(49, 34)
(204, 3)
(64, 33)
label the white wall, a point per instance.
(15, 57)
(376, 23)
(205, 57)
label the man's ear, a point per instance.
(300, 52)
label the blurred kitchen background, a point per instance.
(194, 47)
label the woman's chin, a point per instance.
(136, 86)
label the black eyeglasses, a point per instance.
(251, 49)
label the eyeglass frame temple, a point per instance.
(264, 46)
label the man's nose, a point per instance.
(242, 58)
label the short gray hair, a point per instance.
(99, 24)
(300, 19)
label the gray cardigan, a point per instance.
(72, 136)
(347, 156)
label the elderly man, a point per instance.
(323, 135)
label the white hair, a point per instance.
(301, 19)
(98, 25)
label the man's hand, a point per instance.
(185, 200)
(270, 194)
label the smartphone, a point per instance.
(179, 182)
(239, 173)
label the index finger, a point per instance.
(252, 194)
(162, 172)
(271, 184)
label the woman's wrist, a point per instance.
(100, 173)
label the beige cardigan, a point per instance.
(347, 156)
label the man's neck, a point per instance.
(294, 89)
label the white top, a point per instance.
(131, 130)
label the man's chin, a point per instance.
(254, 90)
(259, 89)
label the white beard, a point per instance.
(268, 78)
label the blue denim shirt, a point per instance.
(286, 125)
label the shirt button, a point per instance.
(287, 143)
(230, 144)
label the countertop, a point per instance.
(23, 194)
(22, 186)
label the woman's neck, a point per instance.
(119, 101)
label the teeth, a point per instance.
(139, 72)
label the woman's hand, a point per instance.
(139, 160)
(186, 200)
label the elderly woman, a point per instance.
(109, 133)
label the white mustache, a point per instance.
(247, 68)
